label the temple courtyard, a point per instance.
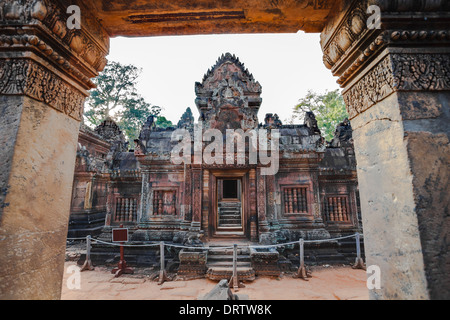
(326, 283)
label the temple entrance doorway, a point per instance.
(229, 214)
(229, 207)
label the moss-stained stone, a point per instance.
(430, 162)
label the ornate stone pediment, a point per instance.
(227, 73)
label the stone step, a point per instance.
(230, 214)
(230, 232)
(229, 204)
(228, 264)
(228, 258)
(230, 220)
(230, 225)
(227, 212)
(237, 213)
(227, 255)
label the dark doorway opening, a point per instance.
(230, 189)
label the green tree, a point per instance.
(329, 109)
(134, 115)
(116, 97)
(116, 86)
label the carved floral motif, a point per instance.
(261, 191)
(398, 72)
(197, 205)
(52, 20)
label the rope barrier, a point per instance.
(234, 281)
(217, 248)
(126, 245)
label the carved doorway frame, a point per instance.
(241, 174)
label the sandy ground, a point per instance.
(332, 283)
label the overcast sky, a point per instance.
(286, 66)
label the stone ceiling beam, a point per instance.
(183, 17)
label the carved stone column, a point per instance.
(187, 194)
(263, 226)
(396, 83)
(197, 199)
(252, 202)
(109, 203)
(205, 201)
(45, 71)
(145, 206)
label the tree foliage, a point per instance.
(329, 109)
(116, 85)
(134, 115)
(116, 97)
(162, 122)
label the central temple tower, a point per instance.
(228, 97)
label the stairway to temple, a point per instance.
(229, 219)
(230, 215)
(220, 264)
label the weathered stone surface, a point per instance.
(391, 230)
(11, 109)
(33, 226)
(153, 18)
(49, 69)
(265, 261)
(396, 83)
(430, 159)
(192, 263)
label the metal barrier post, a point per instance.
(235, 274)
(301, 273)
(235, 278)
(87, 263)
(162, 271)
(359, 263)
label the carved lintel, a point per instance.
(398, 72)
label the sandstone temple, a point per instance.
(312, 194)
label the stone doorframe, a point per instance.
(213, 199)
(396, 83)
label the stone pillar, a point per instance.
(197, 199)
(187, 194)
(146, 205)
(263, 226)
(45, 72)
(109, 203)
(205, 202)
(252, 203)
(396, 82)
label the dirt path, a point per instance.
(333, 283)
